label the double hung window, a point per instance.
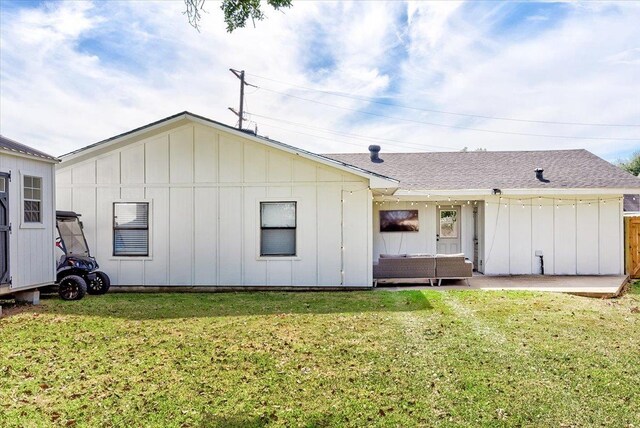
(277, 228)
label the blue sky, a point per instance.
(411, 76)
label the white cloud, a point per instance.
(59, 90)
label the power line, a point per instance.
(314, 136)
(525, 134)
(480, 116)
(398, 143)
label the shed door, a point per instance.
(448, 230)
(4, 228)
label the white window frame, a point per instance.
(43, 213)
(284, 199)
(149, 255)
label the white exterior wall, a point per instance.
(31, 245)
(424, 240)
(204, 187)
(575, 238)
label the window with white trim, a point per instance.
(131, 229)
(32, 199)
(277, 229)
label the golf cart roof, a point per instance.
(67, 214)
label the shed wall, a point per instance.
(31, 245)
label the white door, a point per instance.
(448, 230)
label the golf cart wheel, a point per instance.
(100, 285)
(72, 287)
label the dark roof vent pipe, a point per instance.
(374, 151)
(540, 176)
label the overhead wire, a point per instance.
(526, 134)
(479, 116)
(398, 143)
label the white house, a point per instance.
(510, 209)
(189, 201)
(27, 219)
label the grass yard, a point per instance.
(457, 358)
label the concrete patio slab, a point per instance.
(604, 286)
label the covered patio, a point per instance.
(602, 286)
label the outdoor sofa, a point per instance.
(412, 268)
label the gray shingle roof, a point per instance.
(489, 170)
(13, 146)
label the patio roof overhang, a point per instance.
(407, 194)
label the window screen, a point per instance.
(32, 199)
(131, 229)
(278, 228)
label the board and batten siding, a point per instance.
(424, 240)
(575, 238)
(31, 245)
(204, 187)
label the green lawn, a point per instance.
(457, 358)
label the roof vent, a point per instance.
(374, 150)
(540, 176)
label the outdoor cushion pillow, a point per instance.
(392, 256)
(450, 255)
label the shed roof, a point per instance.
(10, 145)
(489, 170)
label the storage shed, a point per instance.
(27, 219)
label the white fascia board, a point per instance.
(108, 144)
(28, 156)
(516, 192)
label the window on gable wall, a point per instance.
(32, 199)
(277, 228)
(131, 229)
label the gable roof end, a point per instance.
(377, 180)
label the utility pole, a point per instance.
(240, 113)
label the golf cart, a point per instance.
(77, 271)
